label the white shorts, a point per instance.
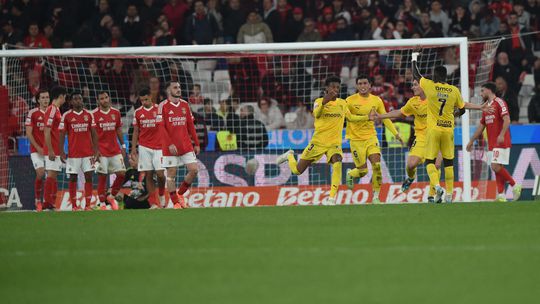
(55, 165)
(76, 164)
(149, 159)
(38, 160)
(112, 164)
(499, 156)
(177, 161)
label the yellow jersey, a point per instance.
(418, 108)
(442, 99)
(329, 120)
(359, 105)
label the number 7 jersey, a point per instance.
(442, 99)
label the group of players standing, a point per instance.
(434, 107)
(164, 138)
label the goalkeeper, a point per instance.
(330, 113)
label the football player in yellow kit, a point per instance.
(330, 113)
(363, 136)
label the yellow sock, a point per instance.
(433, 174)
(336, 178)
(449, 179)
(411, 172)
(358, 173)
(376, 179)
(292, 164)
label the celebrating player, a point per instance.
(111, 159)
(442, 99)
(147, 137)
(51, 148)
(330, 113)
(34, 130)
(177, 131)
(78, 123)
(499, 141)
(363, 136)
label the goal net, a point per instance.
(229, 86)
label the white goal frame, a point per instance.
(460, 42)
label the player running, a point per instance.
(51, 148)
(363, 136)
(330, 113)
(35, 123)
(146, 137)
(78, 123)
(442, 99)
(499, 142)
(111, 159)
(177, 130)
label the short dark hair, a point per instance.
(41, 91)
(144, 91)
(57, 91)
(439, 73)
(169, 83)
(490, 86)
(197, 85)
(364, 76)
(332, 78)
(76, 93)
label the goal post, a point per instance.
(266, 66)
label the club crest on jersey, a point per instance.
(85, 118)
(184, 111)
(113, 116)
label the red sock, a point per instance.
(118, 182)
(48, 190)
(183, 188)
(88, 193)
(73, 193)
(161, 191)
(38, 185)
(54, 192)
(506, 176)
(174, 197)
(101, 188)
(500, 182)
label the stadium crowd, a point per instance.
(258, 98)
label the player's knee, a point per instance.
(448, 162)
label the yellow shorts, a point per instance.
(314, 152)
(418, 149)
(440, 141)
(361, 149)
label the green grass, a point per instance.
(458, 253)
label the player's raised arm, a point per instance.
(415, 70)
(389, 115)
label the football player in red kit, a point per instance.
(35, 123)
(499, 141)
(112, 150)
(78, 123)
(177, 131)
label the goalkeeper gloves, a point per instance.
(414, 56)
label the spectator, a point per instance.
(363, 24)
(284, 10)
(271, 17)
(93, 80)
(195, 96)
(48, 32)
(383, 89)
(536, 71)
(10, 35)
(524, 18)
(340, 12)
(163, 35)
(310, 33)
(409, 13)
(34, 85)
(510, 96)
(149, 12)
(520, 45)
(401, 30)
(270, 114)
(119, 79)
(533, 110)
(507, 70)
(303, 119)
(254, 30)
(228, 119)
(500, 8)
(156, 93)
(201, 28)
(439, 17)
(116, 40)
(132, 26)
(475, 10)
(201, 129)
(489, 24)
(426, 28)
(211, 119)
(252, 134)
(294, 25)
(175, 11)
(103, 10)
(213, 10)
(35, 39)
(327, 25)
(342, 32)
(460, 22)
(233, 18)
(103, 32)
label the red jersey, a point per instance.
(52, 120)
(494, 124)
(106, 125)
(176, 123)
(78, 128)
(36, 120)
(145, 120)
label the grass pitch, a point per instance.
(456, 253)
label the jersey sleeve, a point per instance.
(28, 121)
(317, 108)
(63, 123)
(135, 122)
(407, 109)
(93, 121)
(49, 116)
(426, 84)
(503, 108)
(118, 120)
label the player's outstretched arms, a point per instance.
(389, 115)
(485, 107)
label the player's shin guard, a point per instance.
(118, 182)
(38, 185)
(292, 164)
(88, 193)
(358, 172)
(72, 186)
(506, 176)
(411, 172)
(183, 188)
(101, 188)
(376, 179)
(433, 174)
(336, 178)
(449, 179)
